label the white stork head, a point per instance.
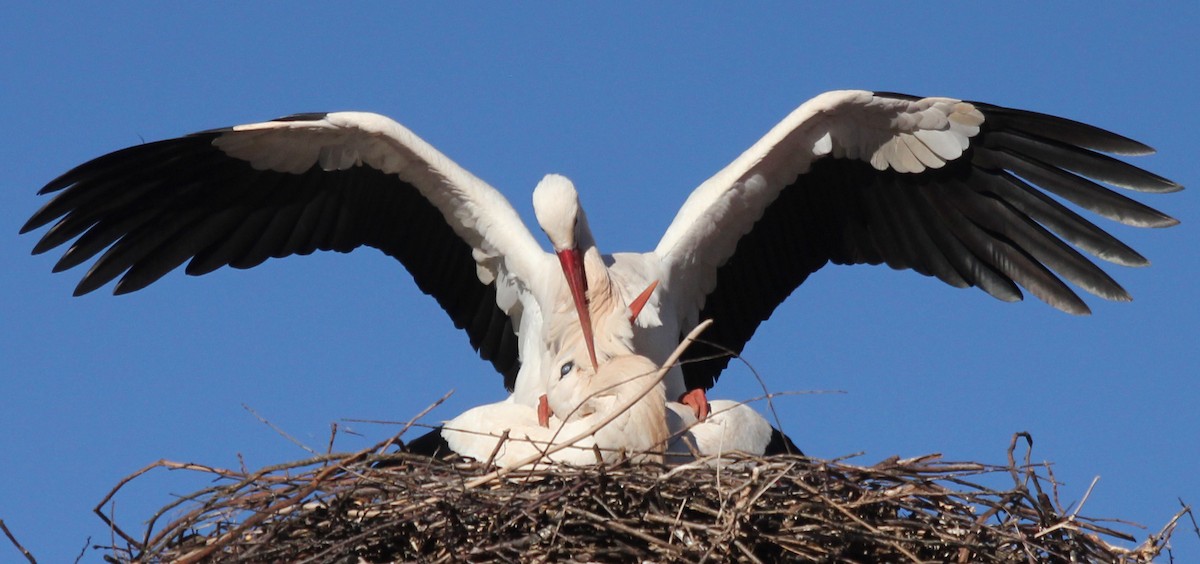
(556, 205)
(579, 393)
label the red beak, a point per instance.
(635, 308)
(572, 265)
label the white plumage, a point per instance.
(732, 427)
(646, 427)
(624, 387)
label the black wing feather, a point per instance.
(152, 207)
(981, 220)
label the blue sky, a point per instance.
(638, 106)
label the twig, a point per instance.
(388, 443)
(98, 510)
(617, 526)
(11, 538)
(83, 551)
(333, 431)
(859, 521)
(1069, 519)
(492, 457)
(278, 506)
(275, 428)
(1188, 509)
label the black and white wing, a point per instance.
(951, 189)
(240, 195)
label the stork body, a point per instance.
(950, 189)
(622, 387)
(577, 391)
(732, 427)
(509, 434)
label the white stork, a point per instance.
(603, 414)
(575, 388)
(622, 389)
(951, 189)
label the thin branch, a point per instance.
(275, 428)
(11, 538)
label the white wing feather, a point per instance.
(503, 247)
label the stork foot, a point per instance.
(543, 410)
(698, 401)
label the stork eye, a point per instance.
(567, 367)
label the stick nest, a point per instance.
(371, 507)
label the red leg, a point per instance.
(698, 401)
(543, 410)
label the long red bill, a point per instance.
(572, 265)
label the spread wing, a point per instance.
(951, 189)
(240, 195)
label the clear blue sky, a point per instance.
(638, 105)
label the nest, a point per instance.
(374, 507)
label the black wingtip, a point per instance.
(88, 285)
(43, 245)
(41, 217)
(1081, 310)
(1168, 186)
(1064, 130)
(29, 226)
(61, 181)
(431, 444)
(781, 444)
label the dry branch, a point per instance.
(24, 552)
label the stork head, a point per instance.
(556, 205)
(617, 389)
(576, 390)
(569, 383)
